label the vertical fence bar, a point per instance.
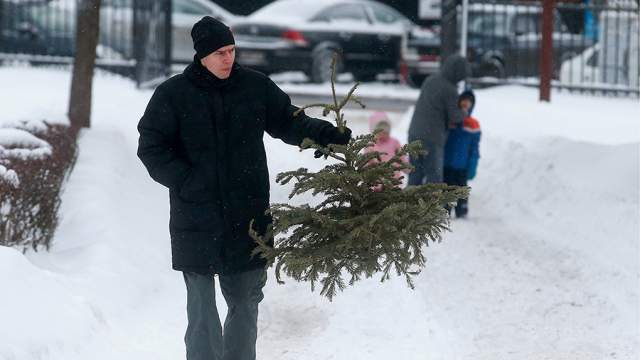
(136, 35)
(504, 34)
(589, 32)
(574, 12)
(449, 26)
(596, 77)
(546, 55)
(464, 28)
(168, 37)
(494, 31)
(616, 61)
(604, 46)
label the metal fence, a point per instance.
(596, 45)
(152, 45)
(135, 35)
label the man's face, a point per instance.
(220, 62)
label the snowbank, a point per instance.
(41, 312)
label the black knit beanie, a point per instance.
(209, 35)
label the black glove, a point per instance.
(333, 136)
(340, 138)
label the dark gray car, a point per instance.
(302, 35)
(504, 40)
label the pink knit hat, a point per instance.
(377, 118)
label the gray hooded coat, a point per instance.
(437, 105)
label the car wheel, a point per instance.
(493, 68)
(321, 65)
(416, 80)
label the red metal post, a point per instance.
(546, 50)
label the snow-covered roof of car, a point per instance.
(297, 13)
(293, 9)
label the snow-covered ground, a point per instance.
(546, 267)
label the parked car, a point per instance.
(35, 28)
(44, 28)
(504, 40)
(588, 69)
(302, 35)
(117, 28)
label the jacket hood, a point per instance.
(456, 68)
(376, 118)
(468, 94)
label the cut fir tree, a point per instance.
(366, 224)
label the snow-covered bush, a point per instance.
(34, 161)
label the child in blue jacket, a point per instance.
(461, 152)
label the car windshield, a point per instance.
(490, 24)
(386, 15)
(56, 19)
(290, 9)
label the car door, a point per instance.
(421, 44)
(18, 33)
(53, 28)
(349, 23)
(522, 57)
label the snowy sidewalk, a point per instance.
(547, 266)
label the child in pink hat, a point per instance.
(385, 144)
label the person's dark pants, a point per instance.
(457, 177)
(428, 167)
(205, 338)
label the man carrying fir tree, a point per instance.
(201, 137)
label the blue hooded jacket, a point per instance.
(462, 150)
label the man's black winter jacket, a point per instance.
(201, 137)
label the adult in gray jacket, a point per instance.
(436, 110)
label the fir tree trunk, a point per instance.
(87, 31)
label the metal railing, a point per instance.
(596, 45)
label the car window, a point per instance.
(346, 12)
(385, 15)
(189, 7)
(488, 24)
(526, 24)
(558, 24)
